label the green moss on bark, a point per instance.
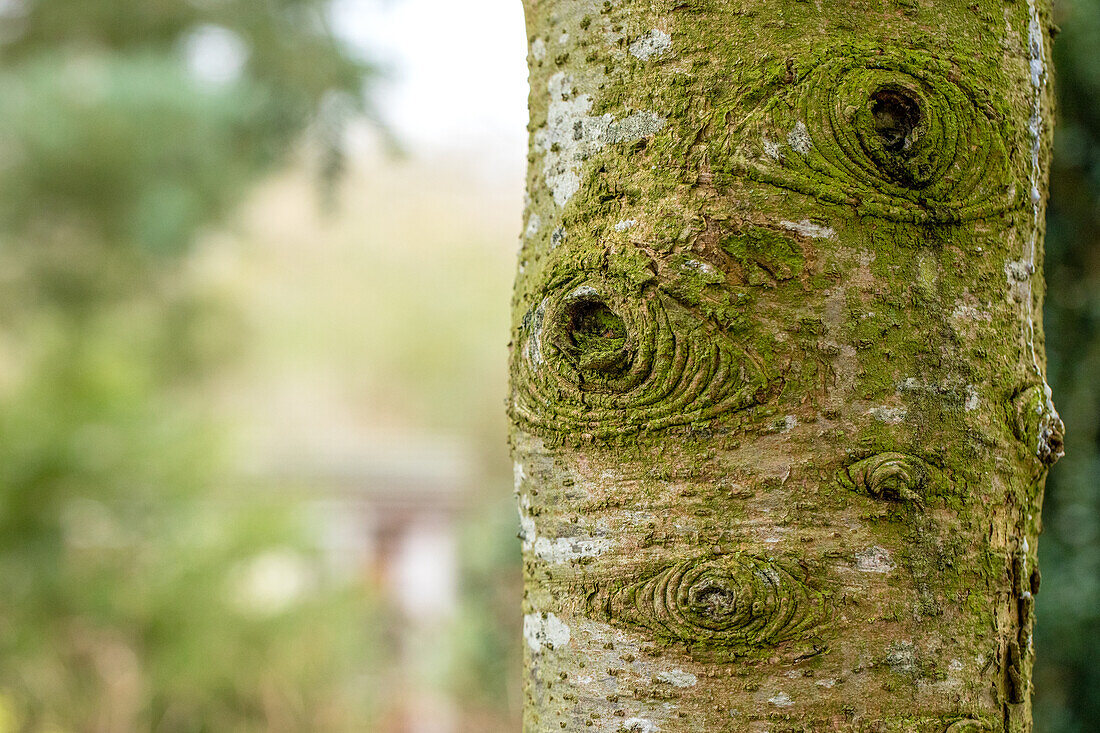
(776, 364)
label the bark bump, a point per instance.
(607, 356)
(719, 605)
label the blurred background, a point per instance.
(255, 265)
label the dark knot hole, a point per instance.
(716, 601)
(595, 334)
(896, 114)
(595, 327)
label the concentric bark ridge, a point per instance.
(895, 135)
(601, 357)
(894, 476)
(732, 602)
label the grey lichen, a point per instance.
(544, 631)
(799, 138)
(634, 127)
(572, 135)
(874, 559)
(654, 43)
(677, 678)
(808, 229)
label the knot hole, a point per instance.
(896, 115)
(595, 335)
(714, 600)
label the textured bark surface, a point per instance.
(780, 421)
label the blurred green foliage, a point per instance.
(140, 120)
(136, 593)
(1067, 637)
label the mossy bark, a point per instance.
(780, 421)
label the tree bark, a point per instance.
(780, 424)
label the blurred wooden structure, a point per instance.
(386, 512)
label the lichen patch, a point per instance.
(544, 631)
(781, 700)
(965, 312)
(565, 549)
(533, 224)
(888, 415)
(654, 43)
(634, 127)
(972, 399)
(677, 678)
(902, 658)
(808, 229)
(799, 138)
(771, 148)
(571, 135)
(527, 530)
(555, 550)
(874, 559)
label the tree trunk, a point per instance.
(780, 420)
